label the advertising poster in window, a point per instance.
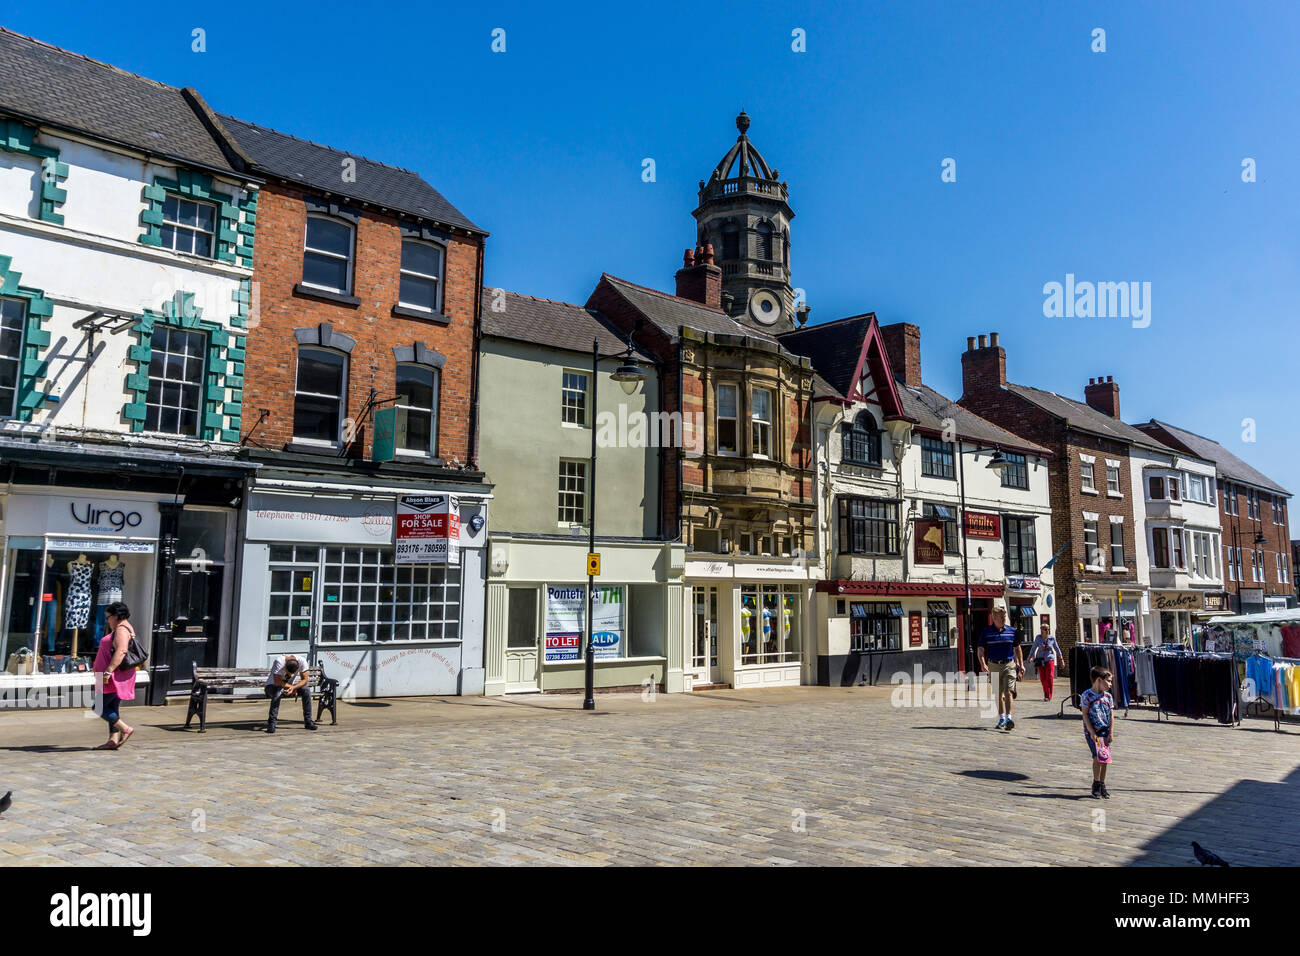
(565, 624)
(427, 530)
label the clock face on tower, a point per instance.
(765, 307)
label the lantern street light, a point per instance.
(629, 376)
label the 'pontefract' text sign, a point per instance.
(427, 530)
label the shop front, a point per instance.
(69, 552)
(536, 625)
(747, 622)
(869, 631)
(381, 585)
(1174, 615)
(1108, 614)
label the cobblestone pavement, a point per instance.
(792, 776)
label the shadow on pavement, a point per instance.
(1236, 826)
(1006, 775)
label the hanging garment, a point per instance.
(1259, 670)
(1122, 671)
(111, 582)
(1290, 641)
(78, 612)
(1144, 673)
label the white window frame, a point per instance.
(1192, 480)
(342, 398)
(734, 389)
(200, 386)
(576, 468)
(1283, 569)
(1116, 522)
(351, 256)
(176, 224)
(760, 426)
(1088, 555)
(1118, 490)
(437, 279)
(1088, 475)
(566, 390)
(432, 450)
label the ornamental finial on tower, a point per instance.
(742, 122)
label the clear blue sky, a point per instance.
(1123, 165)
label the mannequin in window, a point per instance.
(746, 625)
(112, 581)
(46, 601)
(769, 642)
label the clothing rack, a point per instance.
(1277, 714)
(1181, 651)
(1073, 698)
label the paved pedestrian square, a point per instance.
(792, 776)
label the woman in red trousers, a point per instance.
(1045, 652)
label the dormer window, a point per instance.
(861, 440)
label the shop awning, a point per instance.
(893, 608)
(939, 608)
(941, 511)
(1027, 610)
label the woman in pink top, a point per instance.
(117, 685)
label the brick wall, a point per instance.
(271, 360)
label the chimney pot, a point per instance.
(970, 343)
(708, 253)
(984, 341)
(1109, 379)
(993, 339)
(688, 258)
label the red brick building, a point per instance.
(359, 395)
(1093, 522)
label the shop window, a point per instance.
(868, 526)
(937, 458)
(417, 409)
(421, 276)
(705, 649)
(1016, 472)
(728, 419)
(948, 515)
(938, 624)
(293, 592)
(327, 255)
(573, 492)
(188, 226)
(769, 624)
(761, 430)
(177, 360)
(861, 441)
(573, 398)
(318, 400)
(875, 626)
(13, 319)
(365, 598)
(1021, 547)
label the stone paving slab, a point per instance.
(793, 776)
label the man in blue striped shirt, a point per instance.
(1000, 656)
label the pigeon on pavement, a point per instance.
(1206, 857)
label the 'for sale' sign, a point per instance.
(427, 530)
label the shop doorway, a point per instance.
(523, 656)
(704, 649)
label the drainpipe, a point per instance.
(472, 451)
(962, 663)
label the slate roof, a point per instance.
(45, 84)
(832, 347)
(1227, 464)
(1086, 418)
(319, 167)
(929, 410)
(670, 312)
(559, 325)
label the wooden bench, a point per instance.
(226, 680)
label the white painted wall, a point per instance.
(95, 262)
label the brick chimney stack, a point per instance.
(1103, 395)
(903, 347)
(699, 279)
(983, 365)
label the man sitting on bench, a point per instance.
(288, 678)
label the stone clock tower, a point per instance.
(744, 215)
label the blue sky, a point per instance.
(1115, 166)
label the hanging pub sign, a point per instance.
(1214, 602)
(980, 524)
(929, 542)
(1024, 584)
(427, 530)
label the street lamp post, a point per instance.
(629, 376)
(996, 463)
(1241, 565)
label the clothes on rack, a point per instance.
(1196, 685)
(1286, 686)
(1143, 673)
(1115, 658)
(1259, 670)
(1290, 640)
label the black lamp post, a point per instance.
(996, 463)
(1241, 565)
(629, 376)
